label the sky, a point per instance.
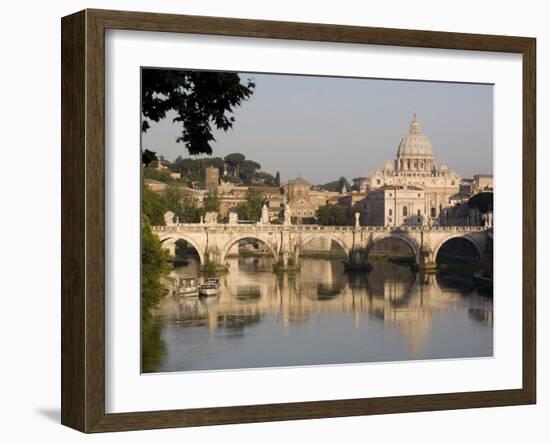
(321, 128)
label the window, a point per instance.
(377, 181)
(404, 210)
(390, 212)
(418, 212)
(432, 212)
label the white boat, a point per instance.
(210, 287)
(186, 286)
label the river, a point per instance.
(321, 315)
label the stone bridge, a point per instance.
(214, 241)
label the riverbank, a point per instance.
(329, 255)
(467, 269)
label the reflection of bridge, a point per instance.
(391, 294)
(214, 241)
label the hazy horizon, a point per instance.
(322, 128)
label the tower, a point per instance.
(212, 178)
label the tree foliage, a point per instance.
(200, 100)
(211, 202)
(148, 156)
(264, 178)
(158, 175)
(336, 186)
(356, 184)
(483, 201)
(153, 267)
(174, 199)
(190, 210)
(334, 215)
(234, 160)
(152, 206)
(247, 170)
(251, 209)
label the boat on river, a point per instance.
(210, 287)
(186, 286)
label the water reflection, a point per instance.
(321, 315)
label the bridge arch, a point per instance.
(227, 247)
(467, 237)
(173, 238)
(410, 242)
(323, 236)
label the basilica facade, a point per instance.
(419, 189)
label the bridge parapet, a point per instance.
(314, 228)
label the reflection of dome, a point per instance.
(415, 144)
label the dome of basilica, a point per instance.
(415, 144)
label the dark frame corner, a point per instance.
(83, 232)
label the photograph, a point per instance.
(292, 220)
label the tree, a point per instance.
(334, 215)
(336, 186)
(152, 206)
(234, 160)
(199, 99)
(482, 201)
(190, 210)
(148, 156)
(153, 267)
(264, 178)
(216, 162)
(211, 202)
(247, 169)
(343, 182)
(158, 175)
(251, 209)
(356, 186)
(278, 179)
(173, 198)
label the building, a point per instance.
(160, 163)
(415, 167)
(230, 196)
(154, 185)
(211, 178)
(392, 206)
(466, 187)
(483, 183)
(298, 196)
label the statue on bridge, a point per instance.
(488, 220)
(287, 219)
(211, 217)
(265, 215)
(169, 218)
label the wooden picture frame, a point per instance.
(83, 220)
